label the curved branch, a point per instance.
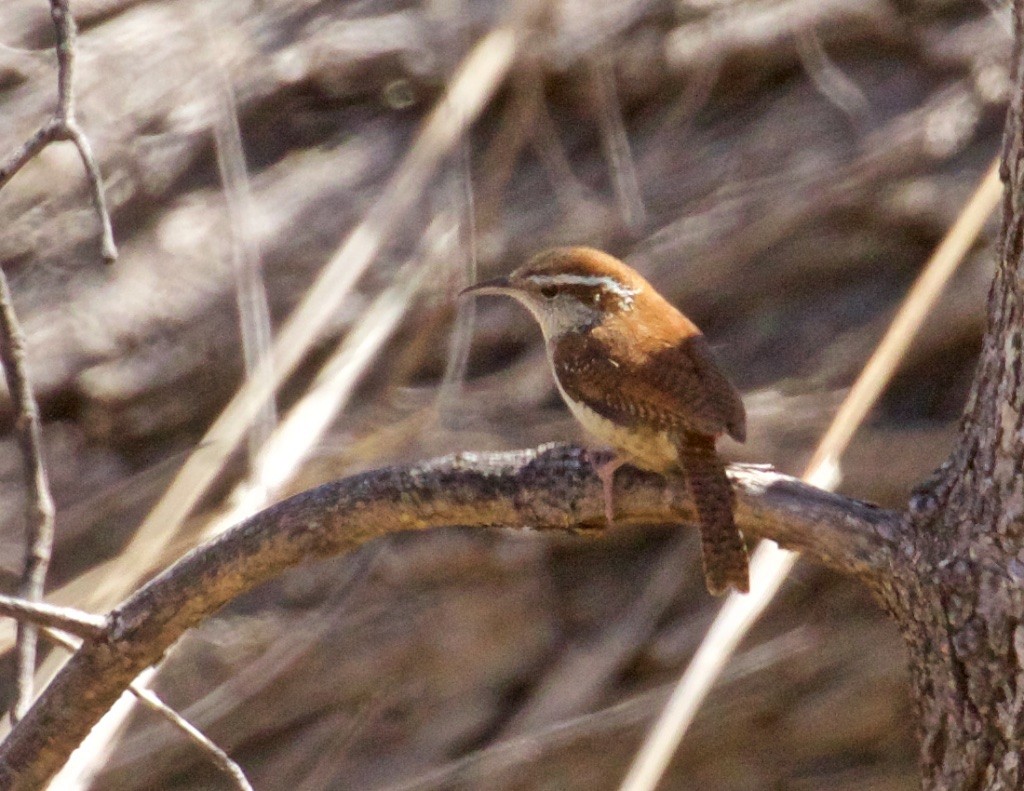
(551, 488)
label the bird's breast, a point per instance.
(646, 448)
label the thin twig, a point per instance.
(76, 622)
(75, 134)
(39, 521)
(39, 503)
(151, 701)
(64, 126)
(18, 159)
(148, 698)
(770, 565)
(40, 510)
(291, 442)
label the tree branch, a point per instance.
(552, 488)
(64, 126)
(40, 511)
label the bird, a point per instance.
(639, 376)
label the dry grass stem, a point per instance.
(307, 421)
(615, 142)
(461, 338)
(908, 320)
(475, 81)
(830, 80)
(250, 290)
(770, 565)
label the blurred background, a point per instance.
(780, 169)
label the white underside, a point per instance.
(651, 450)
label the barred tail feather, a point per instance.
(723, 550)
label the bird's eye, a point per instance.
(548, 292)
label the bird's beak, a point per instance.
(498, 285)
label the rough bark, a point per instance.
(556, 488)
(956, 590)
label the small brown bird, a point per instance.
(638, 375)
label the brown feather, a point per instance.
(723, 550)
(676, 388)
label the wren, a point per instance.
(639, 376)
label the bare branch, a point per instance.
(75, 134)
(64, 126)
(18, 159)
(553, 488)
(76, 622)
(67, 37)
(39, 509)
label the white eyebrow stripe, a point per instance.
(610, 283)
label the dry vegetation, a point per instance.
(789, 167)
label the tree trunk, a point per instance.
(956, 590)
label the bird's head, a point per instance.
(569, 289)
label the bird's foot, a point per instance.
(606, 472)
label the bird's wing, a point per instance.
(677, 388)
